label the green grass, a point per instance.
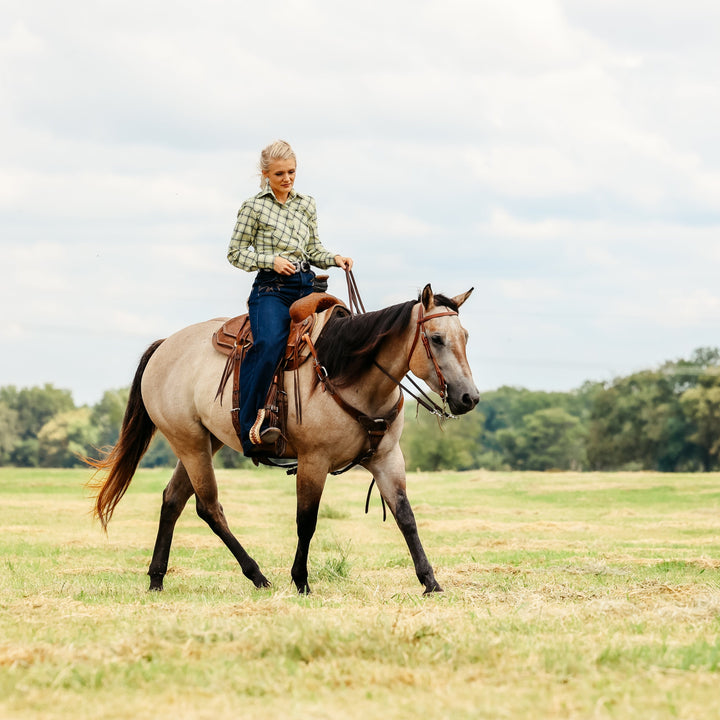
(566, 596)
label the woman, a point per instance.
(275, 234)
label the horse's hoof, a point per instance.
(156, 582)
(434, 588)
(304, 590)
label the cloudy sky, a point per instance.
(562, 157)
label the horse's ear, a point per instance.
(427, 297)
(460, 299)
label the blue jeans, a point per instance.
(271, 296)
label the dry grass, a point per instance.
(567, 596)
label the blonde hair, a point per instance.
(278, 150)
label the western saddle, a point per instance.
(234, 338)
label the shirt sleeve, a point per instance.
(242, 251)
(317, 254)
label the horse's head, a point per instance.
(440, 358)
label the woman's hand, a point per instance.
(345, 263)
(283, 266)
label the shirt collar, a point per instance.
(267, 192)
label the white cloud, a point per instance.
(561, 157)
(533, 291)
(674, 308)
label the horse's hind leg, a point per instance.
(175, 497)
(390, 478)
(202, 475)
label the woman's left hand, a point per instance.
(345, 263)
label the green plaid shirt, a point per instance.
(266, 228)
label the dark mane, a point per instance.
(348, 345)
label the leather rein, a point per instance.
(357, 307)
(376, 427)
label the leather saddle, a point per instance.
(234, 338)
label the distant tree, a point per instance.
(66, 438)
(159, 454)
(508, 430)
(666, 419)
(683, 374)
(107, 416)
(228, 458)
(34, 406)
(26, 453)
(637, 421)
(657, 419)
(547, 439)
(9, 432)
(422, 448)
(451, 444)
(705, 357)
(507, 406)
(701, 405)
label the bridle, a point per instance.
(420, 333)
(421, 397)
(376, 427)
(356, 307)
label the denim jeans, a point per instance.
(271, 296)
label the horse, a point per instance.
(359, 361)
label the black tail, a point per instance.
(122, 460)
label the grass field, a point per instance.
(567, 596)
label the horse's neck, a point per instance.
(393, 358)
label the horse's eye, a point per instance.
(437, 340)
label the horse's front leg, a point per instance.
(310, 485)
(389, 474)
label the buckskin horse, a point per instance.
(348, 391)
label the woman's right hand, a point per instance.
(283, 266)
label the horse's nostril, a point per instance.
(469, 401)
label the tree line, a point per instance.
(666, 419)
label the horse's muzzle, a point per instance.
(464, 402)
